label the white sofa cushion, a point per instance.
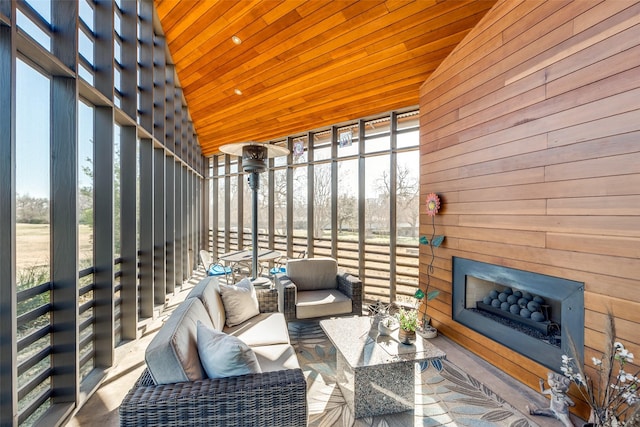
(263, 329)
(240, 301)
(276, 357)
(310, 274)
(223, 355)
(209, 293)
(321, 303)
(172, 356)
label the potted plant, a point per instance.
(613, 394)
(409, 322)
(387, 325)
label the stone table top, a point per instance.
(360, 343)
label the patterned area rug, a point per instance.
(445, 395)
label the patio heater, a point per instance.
(254, 156)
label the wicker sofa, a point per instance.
(274, 397)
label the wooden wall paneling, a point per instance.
(579, 261)
(511, 237)
(547, 184)
(569, 109)
(619, 246)
(595, 337)
(527, 176)
(514, 207)
(553, 157)
(534, 15)
(620, 225)
(619, 51)
(607, 205)
(623, 126)
(626, 330)
(617, 302)
(623, 184)
(594, 15)
(481, 66)
(624, 164)
(519, 154)
(522, 93)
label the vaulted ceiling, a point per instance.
(303, 64)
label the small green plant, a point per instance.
(408, 319)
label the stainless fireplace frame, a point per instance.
(570, 293)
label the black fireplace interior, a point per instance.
(531, 313)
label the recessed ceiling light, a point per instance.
(236, 39)
(237, 91)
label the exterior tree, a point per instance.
(347, 212)
(407, 197)
(32, 210)
(322, 199)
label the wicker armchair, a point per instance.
(277, 398)
(310, 287)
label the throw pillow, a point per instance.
(240, 301)
(224, 355)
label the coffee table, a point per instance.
(375, 373)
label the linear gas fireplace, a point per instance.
(530, 313)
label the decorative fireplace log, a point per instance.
(546, 327)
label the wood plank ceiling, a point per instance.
(302, 64)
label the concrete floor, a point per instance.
(102, 407)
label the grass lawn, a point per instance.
(33, 244)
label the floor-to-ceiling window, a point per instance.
(33, 237)
(348, 191)
(86, 203)
(88, 124)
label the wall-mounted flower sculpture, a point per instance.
(433, 204)
(433, 241)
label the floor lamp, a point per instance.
(254, 156)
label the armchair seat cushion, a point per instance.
(276, 357)
(321, 303)
(263, 329)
